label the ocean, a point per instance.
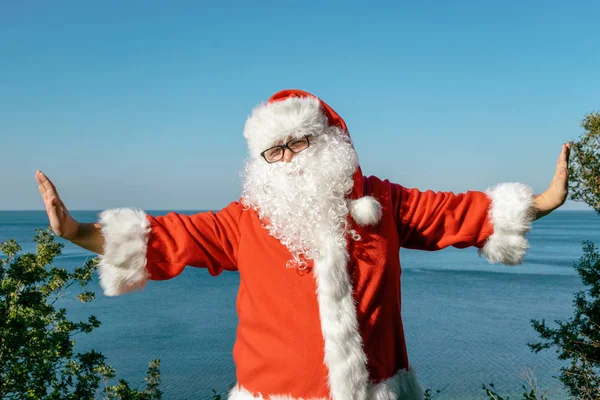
(467, 322)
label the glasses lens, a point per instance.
(298, 145)
(274, 154)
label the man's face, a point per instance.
(302, 192)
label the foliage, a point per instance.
(528, 394)
(584, 170)
(578, 339)
(37, 360)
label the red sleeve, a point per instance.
(205, 240)
(432, 221)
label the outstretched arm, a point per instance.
(495, 221)
(135, 247)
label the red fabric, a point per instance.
(279, 344)
(433, 221)
(332, 116)
(208, 240)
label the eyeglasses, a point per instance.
(276, 153)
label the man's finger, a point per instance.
(46, 181)
(561, 163)
(52, 210)
(62, 207)
(43, 192)
(42, 181)
(55, 216)
(46, 187)
(50, 203)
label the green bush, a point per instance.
(37, 360)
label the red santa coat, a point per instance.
(335, 329)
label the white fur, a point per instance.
(344, 355)
(511, 214)
(239, 393)
(304, 200)
(365, 211)
(122, 266)
(270, 122)
(402, 386)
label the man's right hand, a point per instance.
(60, 220)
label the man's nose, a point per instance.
(287, 155)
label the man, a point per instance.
(316, 245)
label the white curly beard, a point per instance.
(303, 201)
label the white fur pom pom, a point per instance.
(365, 211)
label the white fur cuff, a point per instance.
(122, 266)
(511, 214)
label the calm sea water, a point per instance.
(467, 322)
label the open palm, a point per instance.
(60, 220)
(558, 190)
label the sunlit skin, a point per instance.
(89, 236)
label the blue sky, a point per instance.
(142, 103)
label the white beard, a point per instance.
(303, 202)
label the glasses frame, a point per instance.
(286, 146)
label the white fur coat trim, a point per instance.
(402, 386)
(345, 358)
(122, 265)
(511, 214)
(271, 122)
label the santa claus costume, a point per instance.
(319, 300)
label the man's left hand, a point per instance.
(556, 194)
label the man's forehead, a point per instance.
(283, 140)
(289, 137)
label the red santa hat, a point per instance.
(295, 113)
